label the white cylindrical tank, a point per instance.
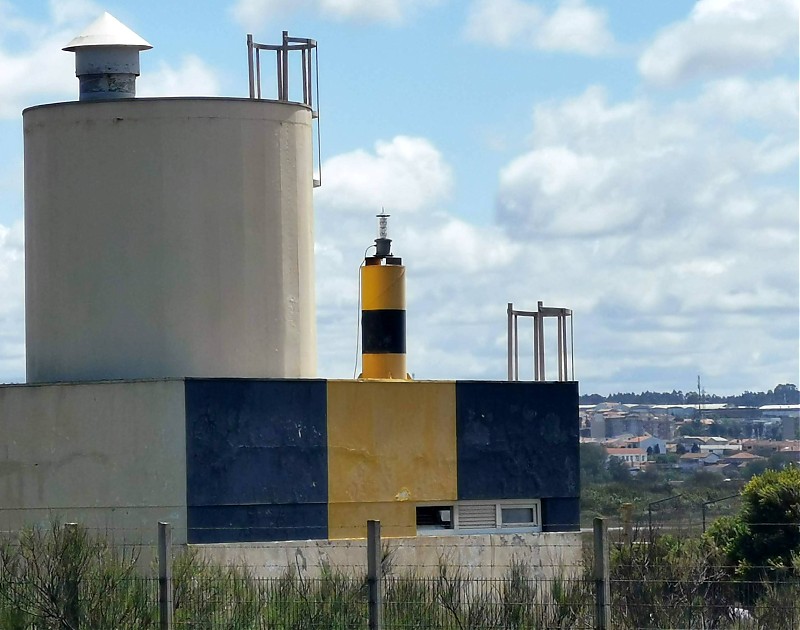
(169, 237)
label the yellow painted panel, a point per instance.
(349, 520)
(389, 365)
(391, 441)
(383, 287)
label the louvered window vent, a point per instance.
(477, 516)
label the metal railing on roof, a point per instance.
(564, 347)
(306, 49)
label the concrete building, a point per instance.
(634, 458)
(171, 351)
(661, 426)
(234, 460)
(649, 444)
(693, 461)
(741, 459)
(790, 428)
(607, 424)
(780, 411)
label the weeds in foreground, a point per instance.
(61, 577)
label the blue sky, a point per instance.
(635, 161)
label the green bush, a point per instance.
(51, 577)
(667, 581)
(764, 538)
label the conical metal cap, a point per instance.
(107, 31)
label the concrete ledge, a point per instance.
(546, 555)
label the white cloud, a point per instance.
(455, 273)
(36, 70)
(70, 12)
(193, 77)
(252, 13)
(40, 70)
(573, 26)
(671, 230)
(405, 174)
(12, 289)
(390, 11)
(675, 226)
(595, 166)
(774, 103)
(455, 268)
(722, 37)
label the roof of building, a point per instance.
(617, 441)
(744, 455)
(719, 466)
(640, 438)
(626, 451)
(698, 455)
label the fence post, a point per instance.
(164, 576)
(627, 523)
(72, 611)
(374, 574)
(602, 576)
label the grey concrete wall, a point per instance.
(169, 237)
(557, 554)
(109, 455)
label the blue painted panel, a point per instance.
(256, 444)
(253, 523)
(517, 440)
(561, 514)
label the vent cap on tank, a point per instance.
(107, 59)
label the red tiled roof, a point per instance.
(626, 451)
(744, 456)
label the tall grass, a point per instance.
(667, 583)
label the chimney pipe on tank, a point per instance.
(107, 59)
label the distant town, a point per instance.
(716, 433)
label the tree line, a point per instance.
(783, 394)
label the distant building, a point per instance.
(634, 458)
(651, 445)
(619, 424)
(690, 442)
(765, 446)
(780, 411)
(661, 426)
(792, 449)
(721, 449)
(742, 459)
(598, 427)
(693, 461)
(790, 427)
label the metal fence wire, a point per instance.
(412, 602)
(66, 580)
(723, 604)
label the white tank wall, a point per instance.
(169, 238)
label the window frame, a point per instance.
(433, 530)
(500, 528)
(534, 506)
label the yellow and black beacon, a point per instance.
(383, 311)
